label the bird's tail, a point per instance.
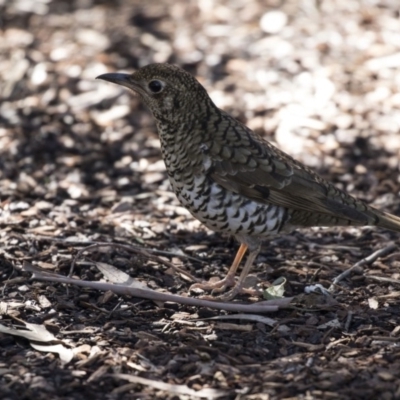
(387, 221)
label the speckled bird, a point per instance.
(232, 179)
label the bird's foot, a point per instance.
(215, 287)
(220, 286)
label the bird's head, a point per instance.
(168, 91)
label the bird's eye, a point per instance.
(156, 86)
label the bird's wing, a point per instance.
(243, 162)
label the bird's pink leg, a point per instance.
(229, 279)
(238, 288)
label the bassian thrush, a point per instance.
(229, 177)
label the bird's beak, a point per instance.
(119, 79)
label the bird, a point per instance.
(232, 179)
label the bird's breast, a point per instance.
(225, 211)
(188, 163)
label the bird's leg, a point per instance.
(229, 279)
(239, 285)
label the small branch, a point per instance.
(365, 261)
(383, 279)
(131, 249)
(124, 290)
(208, 393)
(90, 242)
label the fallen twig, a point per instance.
(383, 279)
(131, 249)
(91, 242)
(185, 390)
(128, 290)
(365, 261)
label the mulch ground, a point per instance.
(80, 163)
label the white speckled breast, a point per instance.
(225, 211)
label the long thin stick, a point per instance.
(365, 261)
